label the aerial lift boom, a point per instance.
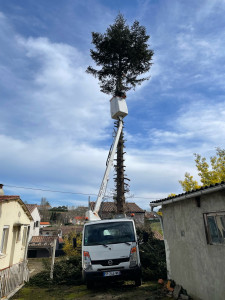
(118, 111)
(93, 215)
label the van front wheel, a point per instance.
(138, 281)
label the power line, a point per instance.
(44, 190)
(65, 192)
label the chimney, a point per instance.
(1, 190)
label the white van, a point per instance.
(110, 251)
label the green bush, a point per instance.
(152, 255)
(68, 271)
(41, 279)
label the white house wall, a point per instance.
(194, 264)
(12, 213)
(36, 216)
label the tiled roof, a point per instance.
(8, 198)
(193, 193)
(67, 229)
(31, 207)
(50, 228)
(42, 240)
(130, 207)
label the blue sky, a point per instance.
(55, 124)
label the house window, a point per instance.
(37, 224)
(4, 239)
(215, 227)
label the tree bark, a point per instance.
(120, 185)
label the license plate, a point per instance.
(111, 273)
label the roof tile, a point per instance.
(130, 207)
(31, 207)
(42, 239)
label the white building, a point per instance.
(35, 224)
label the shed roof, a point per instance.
(7, 198)
(42, 241)
(191, 194)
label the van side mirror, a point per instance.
(74, 242)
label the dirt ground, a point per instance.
(35, 266)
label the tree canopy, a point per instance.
(208, 174)
(123, 55)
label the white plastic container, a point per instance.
(118, 108)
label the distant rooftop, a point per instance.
(31, 207)
(130, 207)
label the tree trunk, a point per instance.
(120, 190)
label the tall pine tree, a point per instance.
(122, 55)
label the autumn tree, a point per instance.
(209, 174)
(122, 55)
(69, 248)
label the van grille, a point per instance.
(110, 262)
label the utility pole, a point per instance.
(53, 258)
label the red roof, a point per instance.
(79, 218)
(44, 223)
(8, 198)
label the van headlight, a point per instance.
(87, 261)
(133, 257)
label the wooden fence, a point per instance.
(12, 277)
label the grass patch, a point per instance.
(117, 290)
(156, 226)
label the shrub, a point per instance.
(152, 255)
(68, 271)
(41, 279)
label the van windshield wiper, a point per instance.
(127, 243)
(105, 245)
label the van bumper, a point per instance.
(125, 274)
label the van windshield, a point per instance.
(109, 233)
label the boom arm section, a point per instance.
(93, 215)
